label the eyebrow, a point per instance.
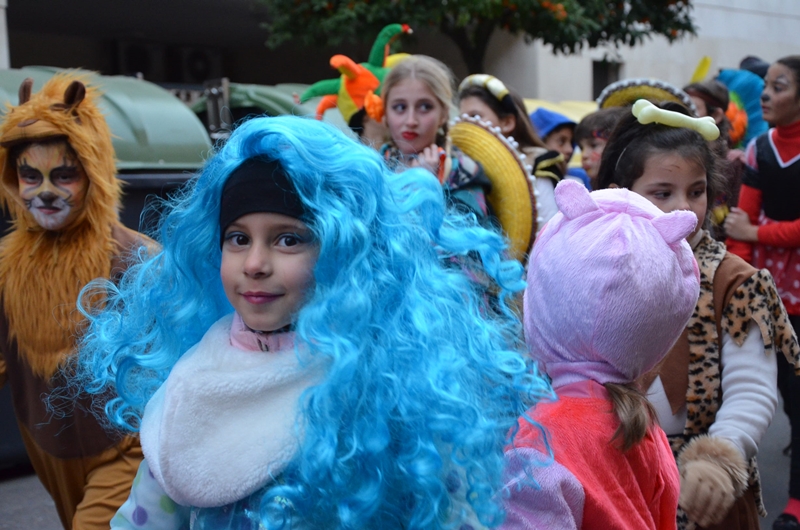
(668, 184)
(24, 165)
(662, 184)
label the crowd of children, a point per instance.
(329, 332)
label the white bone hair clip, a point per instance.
(646, 113)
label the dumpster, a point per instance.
(239, 101)
(159, 143)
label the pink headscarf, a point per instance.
(612, 283)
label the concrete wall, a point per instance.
(727, 31)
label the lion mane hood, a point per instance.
(42, 271)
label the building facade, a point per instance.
(189, 41)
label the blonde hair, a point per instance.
(434, 73)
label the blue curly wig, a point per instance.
(425, 379)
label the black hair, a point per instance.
(755, 64)
(356, 122)
(792, 62)
(715, 95)
(600, 124)
(632, 144)
(512, 105)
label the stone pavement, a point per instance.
(25, 505)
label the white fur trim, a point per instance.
(225, 422)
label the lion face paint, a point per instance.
(52, 183)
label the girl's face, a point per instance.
(779, 100)
(267, 268)
(560, 140)
(672, 182)
(591, 154)
(413, 115)
(52, 184)
(474, 106)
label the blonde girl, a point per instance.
(416, 98)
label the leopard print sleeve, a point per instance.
(757, 299)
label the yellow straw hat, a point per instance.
(512, 196)
(628, 91)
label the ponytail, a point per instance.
(634, 411)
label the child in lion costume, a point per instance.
(59, 185)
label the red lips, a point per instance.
(408, 135)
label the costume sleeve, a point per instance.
(148, 507)
(467, 187)
(757, 299)
(546, 208)
(750, 202)
(784, 234)
(749, 392)
(540, 496)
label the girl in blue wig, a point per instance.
(298, 356)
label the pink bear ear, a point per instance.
(573, 199)
(676, 225)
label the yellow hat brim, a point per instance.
(511, 197)
(628, 91)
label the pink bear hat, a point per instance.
(612, 283)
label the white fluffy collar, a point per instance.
(225, 421)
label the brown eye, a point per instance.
(237, 239)
(65, 176)
(30, 176)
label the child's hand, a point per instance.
(737, 226)
(713, 476)
(428, 159)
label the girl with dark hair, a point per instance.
(591, 135)
(765, 230)
(715, 393)
(298, 355)
(486, 97)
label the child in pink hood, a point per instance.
(611, 285)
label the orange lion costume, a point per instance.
(43, 267)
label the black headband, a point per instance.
(258, 185)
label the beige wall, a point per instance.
(728, 30)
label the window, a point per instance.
(603, 74)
